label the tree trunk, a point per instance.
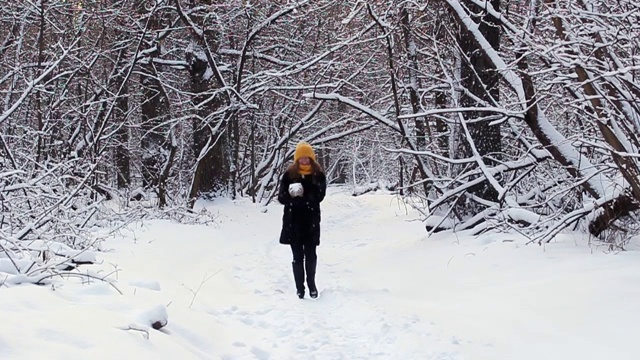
(440, 102)
(422, 127)
(154, 109)
(40, 103)
(210, 145)
(122, 156)
(252, 141)
(121, 113)
(480, 79)
(166, 169)
(210, 140)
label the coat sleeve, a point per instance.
(322, 186)
(284, 197)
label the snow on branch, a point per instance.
(31, 85)
(600, 183)
(363, 108)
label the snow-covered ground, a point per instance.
(387, 292)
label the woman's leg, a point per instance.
(298, 267)
(311, 260)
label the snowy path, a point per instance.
(386, 293)
(345, 323)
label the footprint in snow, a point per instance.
(264, 311)
(260, 354)
(231, 310)
(284, 332)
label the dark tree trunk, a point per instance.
(210, 137)
(422, 127)
(480, 78)
(440, 102)
(210, 145)
(120, 115)
(123, 158)
(252, 141)
(442, 138)
(154, 110)
(166, 169)
(40, 103)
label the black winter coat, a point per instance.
(301, 217)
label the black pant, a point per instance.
(303, 251)
(304, 260)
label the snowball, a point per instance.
(296, 189)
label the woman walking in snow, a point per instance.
(302, 188)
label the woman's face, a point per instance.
(304, 160)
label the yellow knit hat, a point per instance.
(304, 149)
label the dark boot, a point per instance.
(310, 266)
(298, 276)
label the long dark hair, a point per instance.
(293, 171)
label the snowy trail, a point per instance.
(386, 292)
(342, 324)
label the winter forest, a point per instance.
(513, 117)
(516, 115)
